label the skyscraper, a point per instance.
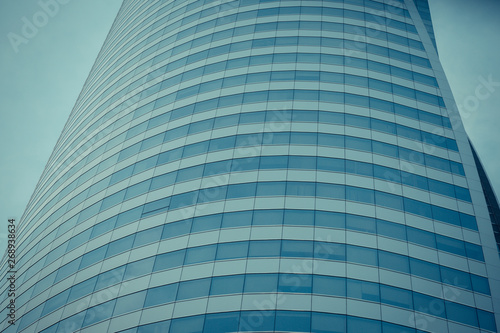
(288, 166)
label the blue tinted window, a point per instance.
(461, 313)
(138, 268)
(268, 217)
(299, 217)
(161, 295)
(223, 285)
(261, 283)
(208, 222)
(237, 219)
(360, 223)
(396, 296)
(200, 254)
(329, 251)
(221, 322)
(264, 249)
(329, 219)
(428, 304)
(295, 283)
(328, 285)
(328, 323)
(129, 303)
(363, 290)
(193, 289)
(292, 248)
(232, 250)
(289, 321)
(169, 260)
(394, 261)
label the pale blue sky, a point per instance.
(40, 83)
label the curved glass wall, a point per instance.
(237, 166)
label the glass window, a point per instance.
(98, 313)
(358, 143)
(331, 191)
(414, 180)
(393, 328)
(428, 304)
(249, 320)
(362, 255)
(294, 248)
(156, 206)
(161, 295)
(461, 313)
(261, 283)
(93, 256)
(209, 222)
(293, 321)
(329, 251)
(389, 200)
(394, 261)
(169, 260)
(445, 215)
(486, 320)
(175, 229)
(300, 189)
(303, 138)
(212, 194)
(329, 219)
(163, 180)
(268, 217)
(480, 284)
(241, 190)
(223, 285)
(138, 268)
(193, 288)
(112, 200)
(295, 283)
(455, 277)
(273, 162)
(120, 245)
(184, 199)
(329, 285)
(237, 219)
(359, 168)
(360, 223)
(328, 323)
(83, 288)
(425, 269)
(199, 254)
(221, 322)
(330, 164)
(299, 217)
(265, 189)
(396, 296)
(193, 324)
(363, 290)
(232, 250)
(417, 207)
(360, 194)
(302, 162)
(421, 237)
(450, 245)
(267, 248)
(55, 302)
(390, 229)
(129, 303)
(148, 236)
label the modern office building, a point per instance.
(261, 166)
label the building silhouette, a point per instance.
(261, 166)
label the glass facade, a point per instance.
(261, 166)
